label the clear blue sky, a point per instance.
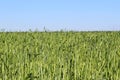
(60, 14)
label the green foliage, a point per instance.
(59, 55)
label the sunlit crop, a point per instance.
(60, 55)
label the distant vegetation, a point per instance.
(60, 55)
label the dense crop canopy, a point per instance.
(60, 56)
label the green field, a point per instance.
(60, 55)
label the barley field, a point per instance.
(60, 55)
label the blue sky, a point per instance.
(60, 14)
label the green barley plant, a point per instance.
(60, 55)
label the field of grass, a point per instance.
(60, 55)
